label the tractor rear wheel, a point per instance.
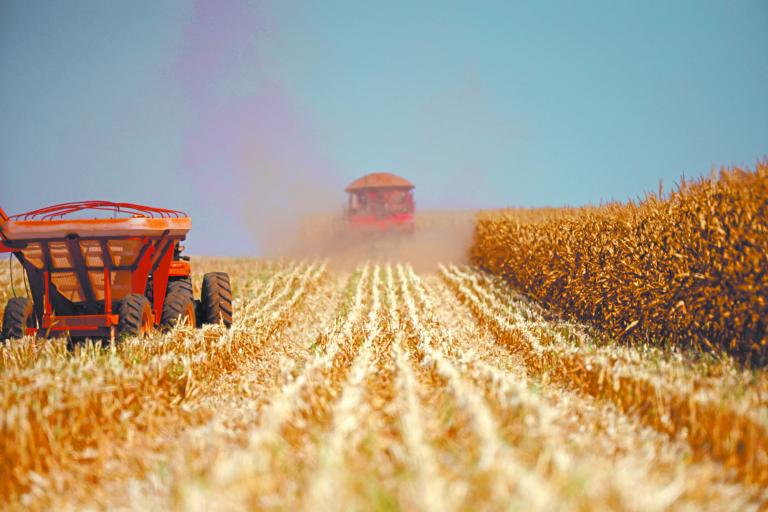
(17, 317)
(179, 303)
(216, 299)
(135, 316)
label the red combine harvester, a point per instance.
(120, 274)
(380, 203)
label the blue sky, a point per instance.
(241, 113)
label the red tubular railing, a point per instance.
(59, 211)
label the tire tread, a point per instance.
(16, 317)
(130, 312)
(177, 298)
(217, 298)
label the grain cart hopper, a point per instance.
(380, 203)
(121, 273)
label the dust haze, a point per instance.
(292, 199)
(291, 196)
(300, 215)
(260, 153)
(439, 237)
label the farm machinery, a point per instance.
(121, 273)
(379, 203)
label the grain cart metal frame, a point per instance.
(100, 277)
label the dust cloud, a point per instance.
(291, 197)
(259, 154)
(439, 237)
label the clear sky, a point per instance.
(240, 111)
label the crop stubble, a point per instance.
(377, 389)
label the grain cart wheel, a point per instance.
(17, 317)
(199, 313)
(216, 299)
(179, 304)
(135, 316)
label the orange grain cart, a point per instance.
(121, 273)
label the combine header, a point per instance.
(119, 274)
(380, 203)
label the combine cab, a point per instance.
(121, 273)
(380, 203)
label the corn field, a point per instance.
(687, 270)
(377, 389)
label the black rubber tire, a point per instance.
(135, 316)
(199, 312)
(216, 299)
(179, 302)
(17, 317)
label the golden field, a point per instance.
(378, 388)
(687, 270)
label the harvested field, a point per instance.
(381, 388)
